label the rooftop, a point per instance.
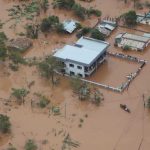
(85, 51)
(70, 25)
(134, 37)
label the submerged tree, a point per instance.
(11, 147)
(32, 31)
(3, 49)
(49, 66)
(148, 103)
(30, 145)
(49, 23)
(4, 124)
(20, 94)
(130, 18)
(96, 34)
(44, 4)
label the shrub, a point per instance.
(126, 47)
(96, 34)
(30, 145)
(130, 18)
(148, 103)
(83, 32)
(43, 102)
(4, 124)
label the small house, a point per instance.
(132, 41)
(70, 25)
(106, 27)
(143, 19)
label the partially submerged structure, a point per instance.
(143, 19)
(132, 41)
(82, 58)
(70, 25)
(19, 44)
(106, 27)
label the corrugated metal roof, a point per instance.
(146, 35)
(85, 54)
(136, 37)
(70, 25)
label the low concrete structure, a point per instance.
(132, 41)
(82, 58)
(106, 27)
(143, 19)
(70, 25)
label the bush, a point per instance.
(17, 58)
(60, 28)
(130, 18)
(43, 102)
(96, 34)
(126, 47)
(148, 103)
(83, 32)
(30, 145)
(4, 124)
(14, 67)
(95, 12)
(11, 147)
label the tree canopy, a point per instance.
(4, 124)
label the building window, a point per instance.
(71, 65)
(72, 73)
(79, 67)
(80, 75)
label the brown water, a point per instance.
(107, 127)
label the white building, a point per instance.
(132, 41)
(106, 27)
(82, 58)
(143, 19)
(70, 25)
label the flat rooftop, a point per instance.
(85, 51)
(136, 37)
(132, 40)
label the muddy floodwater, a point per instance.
(104, 127)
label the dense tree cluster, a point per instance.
(79, 10)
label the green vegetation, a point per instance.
(30, 145)
(48, 67)
(4, 124)
(28, 10)
(96, 34)
(43, 101)
(126, 47)
(20, 94)
(11, 147)
(85, 92)
(3, 49)
(79, 11)
(32, 31)
(49, 23)
(16, 58)
(148, 103)
(130, 18)
(83, 32)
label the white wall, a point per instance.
(74, 69)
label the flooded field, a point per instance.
(106, 127)
(114, 71)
